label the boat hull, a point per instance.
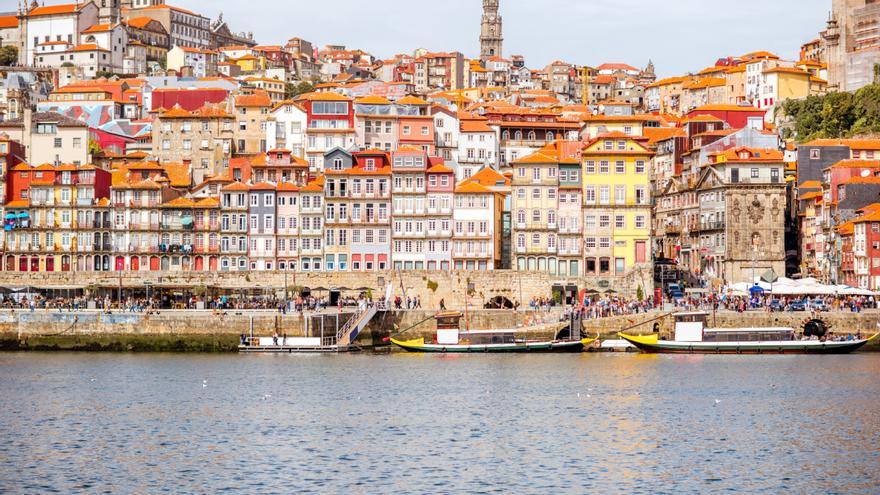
(562, 346)
(651, 344)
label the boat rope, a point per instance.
(647, 321)
(71, 327)
(411, 327)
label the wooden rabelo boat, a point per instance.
(449, 338)
(693, 337)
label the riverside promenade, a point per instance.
(207, 331)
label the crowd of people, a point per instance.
(771, 303)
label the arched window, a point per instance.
(532, 136)
(518, 136)
(550, 136)
(505, 136)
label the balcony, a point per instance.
(717, 225)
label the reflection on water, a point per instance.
(411, 423)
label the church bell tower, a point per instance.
(491, 39)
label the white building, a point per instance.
(286, 128)
(477, 148)
(476, 227)
(55, 23)
(203, 63)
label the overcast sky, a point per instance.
(679, 35)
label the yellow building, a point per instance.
(617, 205)
(631, 125)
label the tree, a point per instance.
(640, 294)
(8, 55)
(94, 147)
(293, 90)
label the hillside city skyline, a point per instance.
(725, 32)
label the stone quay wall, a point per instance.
(206, 331)
(430, 286)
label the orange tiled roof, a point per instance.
(857, 164)
(657, 134)
(324, 96)
(854, 144)
(754, 155)
(440, 169)
(68, 8)
(373, 100)
(8, 22)
(475, 126)
(412, 100)
(489, 177)
(139, 22)
(99, 28)
(471, 187)
(258, 99)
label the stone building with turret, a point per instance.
(491, 39)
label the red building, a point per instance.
(736, 116)
(189, 99)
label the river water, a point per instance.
(592, 423)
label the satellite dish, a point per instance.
(866, 173)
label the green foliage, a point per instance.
(640, 294)
(293, 90)
(67, 64)
(433, 285)
(8, 55)
(836, 115)
(94, 147)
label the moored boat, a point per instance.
(693, 337)
(449, 338)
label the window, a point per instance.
(640, 166)
(620, 195)
(590, 194)
(590, 167)
(619, 222)
(604, 195)
(755, 173)
(619, 167)
(603, 167)
(815, 154)
(640, 221)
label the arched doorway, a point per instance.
(65, 263)
(10, 263)
(200, 263)
(212, 263)
(120, 263)
(50, 263)
(135, 263)
(154, 263)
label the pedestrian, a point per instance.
(442, 304)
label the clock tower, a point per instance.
(491, 39)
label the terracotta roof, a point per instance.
(258, 99)
(20, 203)
(811, 184)
(8, 21)
(412, 100)
(68, 8)
(372, 100)
(810, 195)
(470, 187)
(99, 28)
(236, 186)
(139, 22)
(657, 134)
(88, 47)
(854, 144)
(324, 96)
(755, 155)
(616, 66)
(489, 177)
(857, 164)
(180, 202)
(263, 186)
(440, 169)
(475, 126)
(287, 186)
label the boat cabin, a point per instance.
(449, 332)
(692, 327)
